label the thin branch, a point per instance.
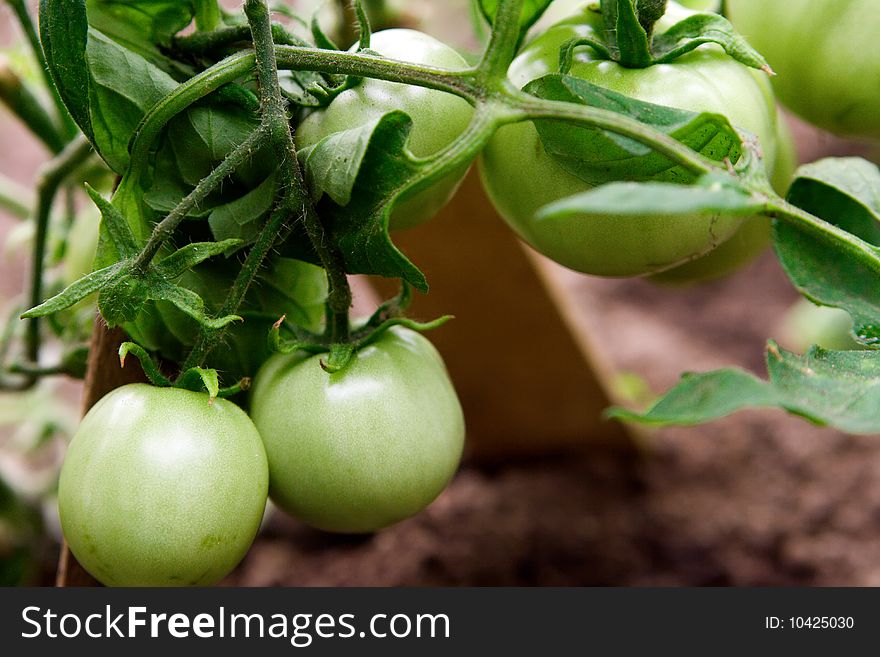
(296, 197)
(15, 199)
(23, 102)
(52, 177)
(165, 228)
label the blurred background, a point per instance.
(756, 499)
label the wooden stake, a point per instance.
(530, 379)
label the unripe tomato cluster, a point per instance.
(168, 487)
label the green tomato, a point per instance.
(752, 239)
(825, 55)
(161, 487)
(365, 447)
(701, 5)
(806, 324)
(438, 117)
(520, 177)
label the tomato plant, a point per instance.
(161, 487)
(437, 118)
(255, 167)
(820, 52)
(360, 449)
(521, 177)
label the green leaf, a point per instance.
(531, 12)
(191, 255)
(64, 35)
(203, 136)
(713, 194)
(186, 301)
(597, 156)
(332, 165)
(843, 191)
(694, 31)
(297, 287)
(124, 88)
(239, 219)
(144, 27)
(838, 388)
(76, 292)
(823, 268)
(116, 226)
(373, 172)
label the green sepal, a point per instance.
(365, 30)
(319, 36)
(76, 292)
(148, 365)
(199, 379)
(631, 42)
(694, 31)
(628, 38)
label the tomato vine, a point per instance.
(255, 78)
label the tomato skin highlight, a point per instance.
(520, 177)
(825, 56)
(438, 117)
(363, 448)
(160, 487)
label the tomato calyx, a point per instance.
(340, 353)
(195, 379)
(629, 38)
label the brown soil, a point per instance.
(760, 498)
(757, 499)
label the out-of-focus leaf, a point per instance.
(837, 388)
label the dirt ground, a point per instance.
(756, 499)
(759, 499)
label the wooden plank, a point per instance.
(530, 380)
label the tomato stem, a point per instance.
(52, 177)
(503, 43)
(21, 101)
(165, 228)
(296, 196)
